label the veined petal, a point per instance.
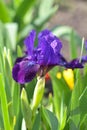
(46, 55)
(24, 71)
(29, 42)
(50, 39)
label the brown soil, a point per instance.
(73, 13)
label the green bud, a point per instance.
(26, 110)
(38, 92)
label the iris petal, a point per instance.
(46, 55)
(29, 42)
(25, 71)
(50, 39)
(74, 64)
(50, 47)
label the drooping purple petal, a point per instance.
(25, 71)
(50, 39)
(62, 61)
(74, 64)
(29, 42)
(19, 59)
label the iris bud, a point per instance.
(38, 92)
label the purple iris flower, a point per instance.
(39, 60)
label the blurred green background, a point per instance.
(67, 20)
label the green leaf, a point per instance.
(72, 125)
(65, 32)
(53, 120)
(83, 123)
(16, 98)
(16, 3)
(4, 12)
(60, 89)
(1, 119)
(24, 32)
(19, 51)
(19, 117)
(23, 8)
(45, 11)
(63, 114)
(4, 105)
(37, 121)
(1, 34)
(26, 110)
(75, 110)
(50, 119)
(12, 29)
(7, 72)
(30, 89)
(45, 119)
(73, 46)
(5, 37)
(83, 103)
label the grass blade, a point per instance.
(4, 14)
(23, 8)
(4, 104)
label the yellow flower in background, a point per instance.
(59, 75)
(69, 77)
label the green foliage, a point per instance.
(37, 122)
(49, 119)
(22, 10)
(65, 109)
(26, 110)
(4, 12)
(4, 104)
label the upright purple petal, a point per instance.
(49, 46)
(50, 39)
(25, 71)
(46, 55)
(29, 42)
